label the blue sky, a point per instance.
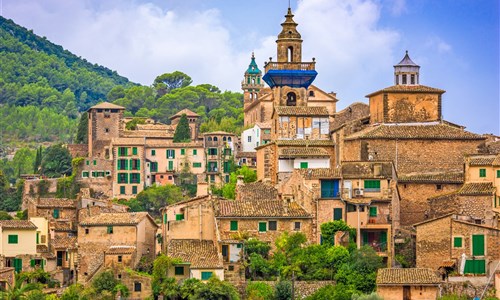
(355, 43)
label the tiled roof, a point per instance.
(257, 191)
(185, 111)
(246, 154)
(200, 254)
(56, 203)
(107, 105)
(399, 276)
(6, 270)
(126, 141)
(262, 209)
(132, 218)
(163, 127)
(408, 89)
(446, 177)
(17, 224)
(64, 242)
(496, 162)
(147, 134)
(366, 169)
(303, 152)
(481, 160)
(42, 248)
(263, 125)
(62, 226)
(301, 110)
(477, 188)
(431, 130)
(113, 250)
(304, 143)
(319, 173)
(218, 133)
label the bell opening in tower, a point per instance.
(290, 54)
(291, 99)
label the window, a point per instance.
(212, 166)
(304, 165)
(170, 165)
(439, 187)
(373, 211)
(291, 99)
(296, 226)
(122, 178)
(457, 242)
(120, 258)
(13, 239)
(227, 151)
(228, 178)
(134, 150)
(212, 151)
(122, 190)
(212, 178)
(498, 173)
(153, 152)
(404, 79)
(179, 217)
(122, 164)
(110, 229)
(134, 190)
(273, 225)
(179, 271)
(18, 264)
(372, 185)
(311, 93)
(137, 287)
(477, 245)
(135, 164)
(412, 79)
(195, 152)
(87, 162)
(122, 151)
(95, 162)
(38, 238)
(85, 174)
(87, 231)
(262, 226)
(153, 167)
(135, 177)
(164, 218)
(337, 214)
(482, 172)
(233, 225)
(206, 275)
(183, 151)
(227, 167)
(196, 165)
(249, 139)
(330, 188)
(55, 213)
(170, 153)
(106, 130)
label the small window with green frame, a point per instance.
(372, 185)
(262, 226)
(373, 211)
(498, 173)
(206, 275)
(482, 172)
(134, 150)
(233, 225)
(13, 239)
(304, 165)
(457, 242)
(183, 151)
(179, 271)
(109, 230)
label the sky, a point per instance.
(355, 43)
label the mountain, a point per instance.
(35, 71)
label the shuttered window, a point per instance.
(482, 172)
(304, 165)
(179, 271)
(372, 185)
(134, 150)
(373, 211)
(13, 239)
(206, 275)
(478, 245)
(234, 225)
(457, 242)
(262, 226)
(55, 213)
(337, 214)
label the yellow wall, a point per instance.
(26, 242)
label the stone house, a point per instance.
(408, 284)
(220, 151)
(201, 259)
(471, 248)
(99, 237)
(259, 134)
(7, 278)
(18, 245)
(104, 125)
(129, 163)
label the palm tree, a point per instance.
(18, 291)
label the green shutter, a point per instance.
(87, 162)
(183, 151)
(122, 190)
(170, 165)
(498, 173)
(372, 184)
(196, 165)
(373, 211)
(38, 238)
(134, 150)
(55, 214)
(482, 172)
(262, 226)
(304, 165)
(477, 245)
(164, 218)
(43, 264)
(226, 167)
(13, 239)
(126, 151)
(126, 164)
(383, 238)
(365, 238)
(110, 229)
(457, 242)
(195, 151)
(475, 266)
(153, 152)
(179, 217)
(134, 190)
(337, 214)
(206, 275)
(18, 264)
(138, 164)
(32, 263)
(234, 225)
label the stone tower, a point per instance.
(289, 41)
(252, 83)
(104, 125)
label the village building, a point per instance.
(408, 284)
(259, 134)
(18, 245)
(457, 242)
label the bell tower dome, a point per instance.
(406, 72)
(289, 41)
(252, 82)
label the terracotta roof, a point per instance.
(147, 134)
(257, 191)
(107, 105)
(163, 127)
(113, 250)
(125, 141)
(408, 89)
(263, 125)
(301, 110)
(262, 209)
(246, 154)
(42, 248)
(366, 169)
(200, 254)
(481, 160)
(64, 242)
(319, 173)
(62, 226)
(303, 152)
(219, 133)
(132, 218)
(445, 177)
(447, 264)
(6, 269)
(477, 188)
(417, 276)
(304, 143)
(185, 111)
(56, 203)
(17, 224)
(496, 162)
(431, 130)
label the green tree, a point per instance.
(283, 290)
(5, 216)
(165, 83)
(155, 197)
(82, 131)
(105, 281)
(259, 291)
(38, 160)
(182, 131)
(333, 292)
(215, 289)
(329, 229)
(19, 290)
(162, 284)
(56, 161)
(229, 189)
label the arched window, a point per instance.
(291, 99)
(253, 80)
(215, 139)
(311, 93)
(209, 139)
(224, 139)
(229, 139)
(290, 54)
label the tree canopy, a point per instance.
(56, 161)
(182, 131)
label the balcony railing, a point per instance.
(298, 66)
(378, 247)
(360, 192)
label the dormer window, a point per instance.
(291, 99)
(311, 93)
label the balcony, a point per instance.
(348, 193)
(296, 66)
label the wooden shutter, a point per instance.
(478, 245)
(262, 226)
(337, 214)
(234, 225)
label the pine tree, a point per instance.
(38, 160)
(82, 133)
(182, 131)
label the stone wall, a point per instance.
(477, 207)
(433, 243)
(303, 289)
(78, 150)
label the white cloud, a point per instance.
(397, 7)
(438, 44)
